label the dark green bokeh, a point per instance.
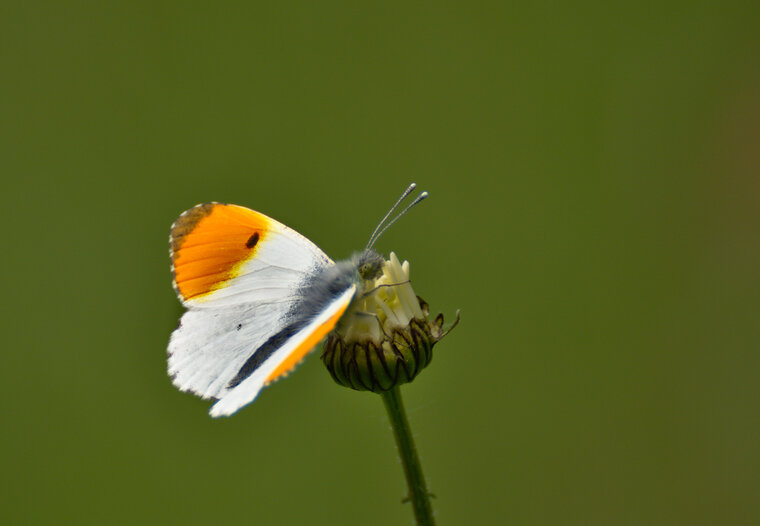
(594, 212)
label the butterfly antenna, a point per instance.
(373, 237)
(401, 214)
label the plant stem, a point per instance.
(418, 492)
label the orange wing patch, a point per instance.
(308, 344)
(208, 244)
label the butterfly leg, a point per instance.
(372, 291)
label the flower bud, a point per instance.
(385, 339)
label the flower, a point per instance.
(385, 338)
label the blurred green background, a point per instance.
(594, 173)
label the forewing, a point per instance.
(229, 255)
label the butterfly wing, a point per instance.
(211, 345)
(241, 275)
(279, 355)
(214, 245)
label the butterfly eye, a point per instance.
(370, 270)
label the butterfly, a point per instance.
(259, 297)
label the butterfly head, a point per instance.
(368, 264)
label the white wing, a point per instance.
(210, 345)
(239, 273)
(284, 359)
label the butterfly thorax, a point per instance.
(331, 281)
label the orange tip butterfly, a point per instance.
(259, 297)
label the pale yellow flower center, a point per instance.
(383, 304)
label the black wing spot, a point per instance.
(252, 240)
(239, 326)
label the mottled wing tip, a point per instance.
(187, 222)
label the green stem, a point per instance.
(418, 492)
